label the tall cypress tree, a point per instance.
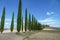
(12, 22)
(0, 26)
(26, 19)
(32, 22)
(19, 16)
(36, 26)
(22, 24)
(29, 23)
(3, 20)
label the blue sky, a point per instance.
(45, 11)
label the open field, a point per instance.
(46, 34)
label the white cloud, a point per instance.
(7, 24)
(47, 20)
(51, 22)
(49, 13)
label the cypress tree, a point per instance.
(19, 16)
(36, 24)
(32, 22)
(0, 25)
(34, 27)
(3, 20)
(29, 23)
(12, 22)
(26, 19)
(22, 24)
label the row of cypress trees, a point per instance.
(30, 22)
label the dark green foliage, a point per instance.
(32, 23)
(29, 23)
(43, 26)
(39, 27)
(22, 23)
(26, 19)
(0, 25)
(2, 20)
(12, 22)
(47, 25)
(35, 25)
(19, 16)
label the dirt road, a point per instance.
(46, 34)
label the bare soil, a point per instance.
(46, 34)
